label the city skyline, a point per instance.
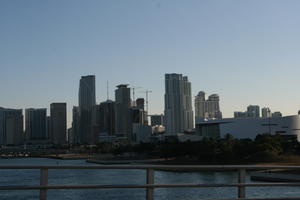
(70, 112)
(247, 57)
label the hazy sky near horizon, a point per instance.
(246, 51)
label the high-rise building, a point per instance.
(36, 124)
(178, 104)
(136, 115)
(48, 127)
(11, 126)
(58, 123)
(87, 100)
(266, 112)
(75, 136)
(2, 129)
(240, 114)
(104, 118)
(70, 136)
(87, 92)
(206, 109)
(123, 124)
(96, 120)
(140, 104)
(253, 111)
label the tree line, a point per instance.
(264, 148)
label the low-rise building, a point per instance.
(141, 133)
(250, 127)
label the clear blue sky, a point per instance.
(246, 51)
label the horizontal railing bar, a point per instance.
(57, 187)
(269, 198)
(156, 167)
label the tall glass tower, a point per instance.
(87, 100)
(87, 92)
(123, 126)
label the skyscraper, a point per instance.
(123, 124)
(266, 112)
(2, 122)
(104, 118)
(87, 100)
(87, 92)
(178, 104)
(58, 123)
(75, 126)
(108, 124)
(253, 111)
(11, 126)
(207, 108)
(36, 124)
(140, 104)
(200, 106)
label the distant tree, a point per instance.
(269, 143)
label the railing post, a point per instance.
(242, 179)
(150, 181)
(43, 182)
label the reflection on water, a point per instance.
(105, 176)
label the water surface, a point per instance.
(106, 176)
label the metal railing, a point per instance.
(150, 185)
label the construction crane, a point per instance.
(147, 102)
(134, 88)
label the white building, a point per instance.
(178, 104)
(206, 109)
(266, 112)
(250, 127)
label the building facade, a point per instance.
(87, 92)
(140, 104)
(35, 120)
(157, 120)
(87, 100)
(178, 104)
(277, 114)
(58, 123)
(141, 133)
(104, 118)
(122, 109)
(207, 109)
(11, 126)
(266, 112)
(250, 127)
(75, 136)
(253, 111)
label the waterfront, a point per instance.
(31, 177)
